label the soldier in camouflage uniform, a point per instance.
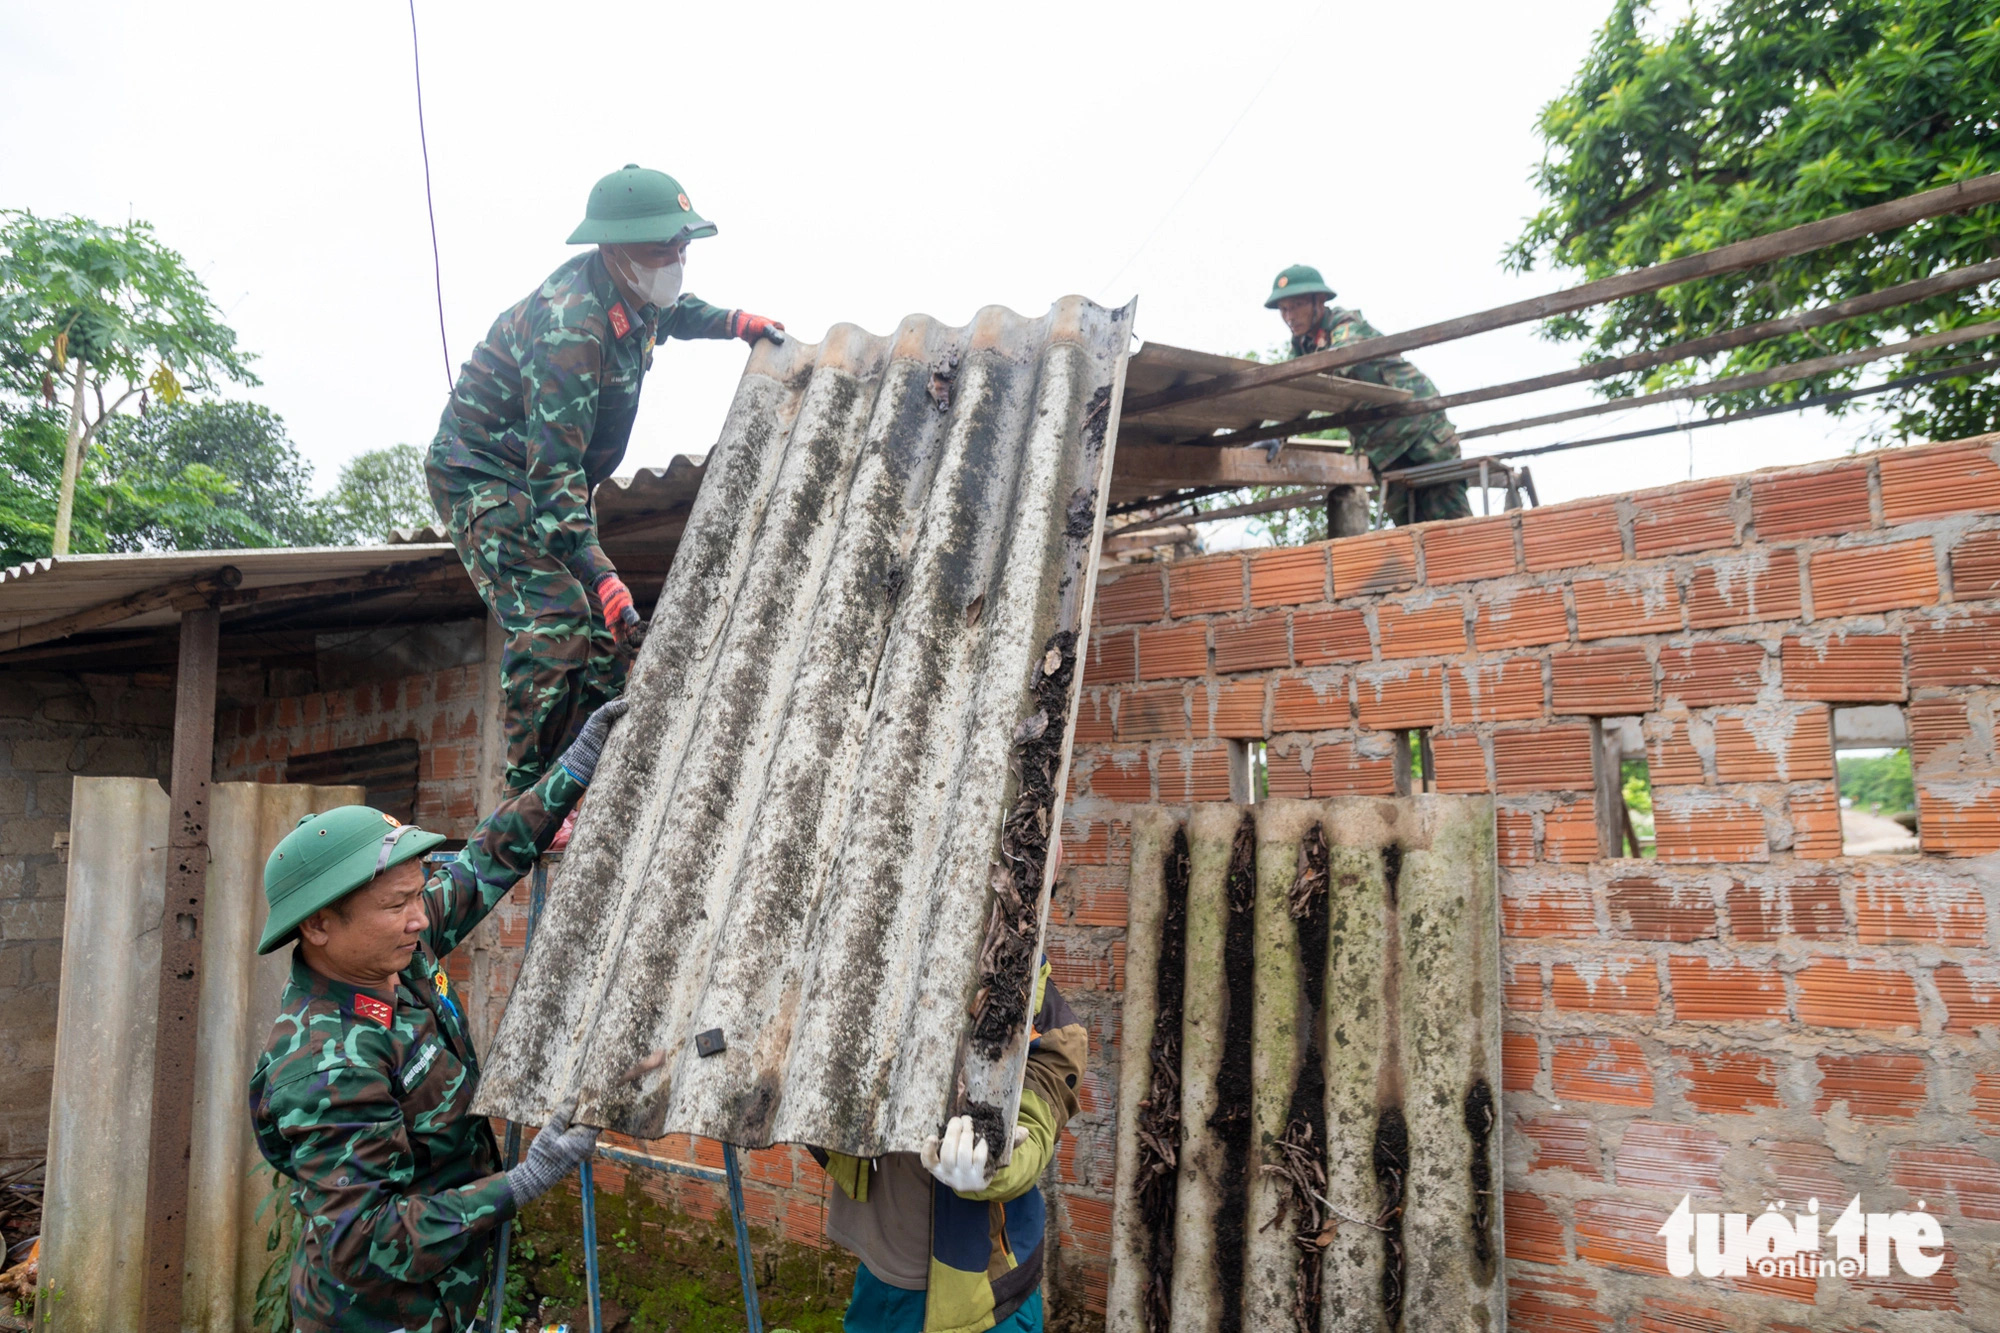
(1301, 296)
(363, 1093)
(540, 417)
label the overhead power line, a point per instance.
(1206, 163)
(423, 142)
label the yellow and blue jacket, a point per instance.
(985, 1249)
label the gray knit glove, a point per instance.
(555, 1153)
(582, 755)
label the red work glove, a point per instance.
(749, 327)
(620, 617)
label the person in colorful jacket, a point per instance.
(947, 1242)
(363, 1094)
(540, 417)
(1302, 298)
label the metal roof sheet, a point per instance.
(821, 828)
(53, 586)
(1307, 1105)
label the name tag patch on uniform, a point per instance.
(413, 1072)
(621, 323)
(379, 1012)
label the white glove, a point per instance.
(959, 1158)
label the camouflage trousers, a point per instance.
(559, 662)
(1407, 442)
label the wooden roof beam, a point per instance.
(1734, 258)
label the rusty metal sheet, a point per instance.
(1312, 1037)
(821, 830)
(60, 585)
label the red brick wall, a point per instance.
(437, 709)
(1749, 1017)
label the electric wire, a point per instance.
(423, 142)
(1207, 162)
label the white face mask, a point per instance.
(660, 286)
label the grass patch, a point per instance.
(661, 1269)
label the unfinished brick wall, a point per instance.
(53, 728)
(438, 709)
(1748, 1017)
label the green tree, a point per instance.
(158, 508)
(244, 443)
(91, 311)
(1749, 116)
(378, 492)
(1881, 781)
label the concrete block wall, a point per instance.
(1750, 1016)
(53, 728)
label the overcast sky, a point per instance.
(863, 161)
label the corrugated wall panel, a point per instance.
(1335, 1131)
(796, 835)
(100, 1114)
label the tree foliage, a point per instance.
(378, 492)
(1754, 115)
(245, 444)
(1879, 782)
(111, 304)
(118, 507)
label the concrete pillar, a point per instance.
(1347, 511)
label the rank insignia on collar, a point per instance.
(621, 323)
(378, 1012)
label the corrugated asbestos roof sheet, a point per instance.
(821, 829)
(1311, 1018)
(647, 496)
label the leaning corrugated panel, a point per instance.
(822, 829)
(1307, 1129)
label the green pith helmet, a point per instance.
(1298, 280)
(329, 856)
(639, 206)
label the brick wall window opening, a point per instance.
(1249, 777)
(1415, 770)
(1878, 799)
(388, 770)
(1624, 789)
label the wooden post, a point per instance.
(180, 969)
(1612, 821)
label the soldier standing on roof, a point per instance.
(363, 1094)
(1300, 295)
(541, 416)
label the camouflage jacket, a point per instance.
(364, 1103)
(545, 404)
(1383, 441)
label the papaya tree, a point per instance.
(100, 316)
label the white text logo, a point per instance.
(1775, 1245)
